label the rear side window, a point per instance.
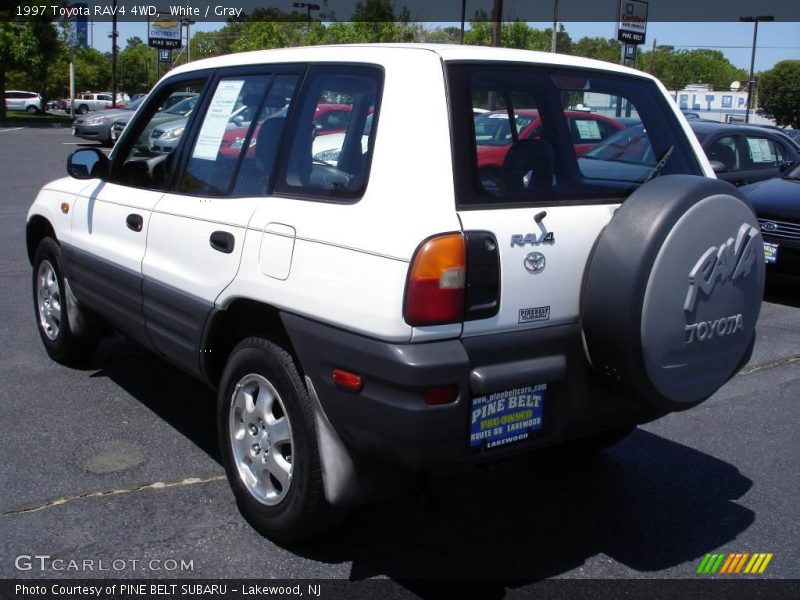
(332, 163)
(551, 134)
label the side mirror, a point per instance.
(87, 163)
(718, 167)
(785, 166)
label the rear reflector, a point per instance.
(442, 394)
(347, 380)
(435, 290)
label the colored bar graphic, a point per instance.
(703, 563)
(734, 562)
(718, 563)
(741, 562)
(765, 563)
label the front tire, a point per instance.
(32, 110)
(50, 308)
(268, 443)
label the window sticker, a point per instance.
(219, 112)
(588, 129)
(761, 150)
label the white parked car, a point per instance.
(393, 309)
(28, 101)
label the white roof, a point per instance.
(373, 53)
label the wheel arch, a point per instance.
(239, 319)
(37, 228)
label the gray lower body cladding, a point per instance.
(389, 420)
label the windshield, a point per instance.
(630, 145)
(183, 108)
(494, 128)
(134, 104)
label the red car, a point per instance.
(493, 132)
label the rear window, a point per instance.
(551, 134)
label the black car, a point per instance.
(743, 154)
(777, 205)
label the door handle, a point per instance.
(134, 222)
(222, 241)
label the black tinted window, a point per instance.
(565, 142)
(333, 164)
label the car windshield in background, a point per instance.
(183, 108)
(134, 104)
(793, 173)
(552, 134)
(494, 128)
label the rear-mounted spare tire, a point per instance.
(672, 291)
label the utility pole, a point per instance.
(755, 21)
(554, 39)
(497, 22)
(114, 34)
(463, 18)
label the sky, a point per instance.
(776, 41)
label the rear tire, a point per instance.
(50, 308)
(82, 109)
(268, 443)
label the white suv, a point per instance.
(432, 293)
(28, 101)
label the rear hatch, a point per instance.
(546, 203)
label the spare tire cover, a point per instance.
(673, 289)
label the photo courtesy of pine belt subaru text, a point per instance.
(368, 306)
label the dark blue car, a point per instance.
(777, 205)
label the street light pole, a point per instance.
(755, 21)
(555, 27)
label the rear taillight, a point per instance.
(435, 289)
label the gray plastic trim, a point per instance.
(517, 374)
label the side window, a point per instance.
(726, 151)
(230, 115)
(262, 140)
(147, 160)
(104, 97)
(334, 165)
(763, 153)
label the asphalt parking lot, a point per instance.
(119, 461)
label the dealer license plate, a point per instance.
(770, 252)
(506, 417)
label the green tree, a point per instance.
(597, 47)
(778, 93)
(27, 45)
(136, 67)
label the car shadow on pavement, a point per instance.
(782, 293)
(162, 388)
(648, 503)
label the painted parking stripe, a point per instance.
(11, 129)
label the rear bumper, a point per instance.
(389, 420)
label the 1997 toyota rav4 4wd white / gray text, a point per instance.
(388, 300)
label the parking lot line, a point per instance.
(10, 129)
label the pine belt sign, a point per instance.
(632, 21)
(164, 32)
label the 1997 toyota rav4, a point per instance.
(385, 306)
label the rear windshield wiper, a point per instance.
(660, 164)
